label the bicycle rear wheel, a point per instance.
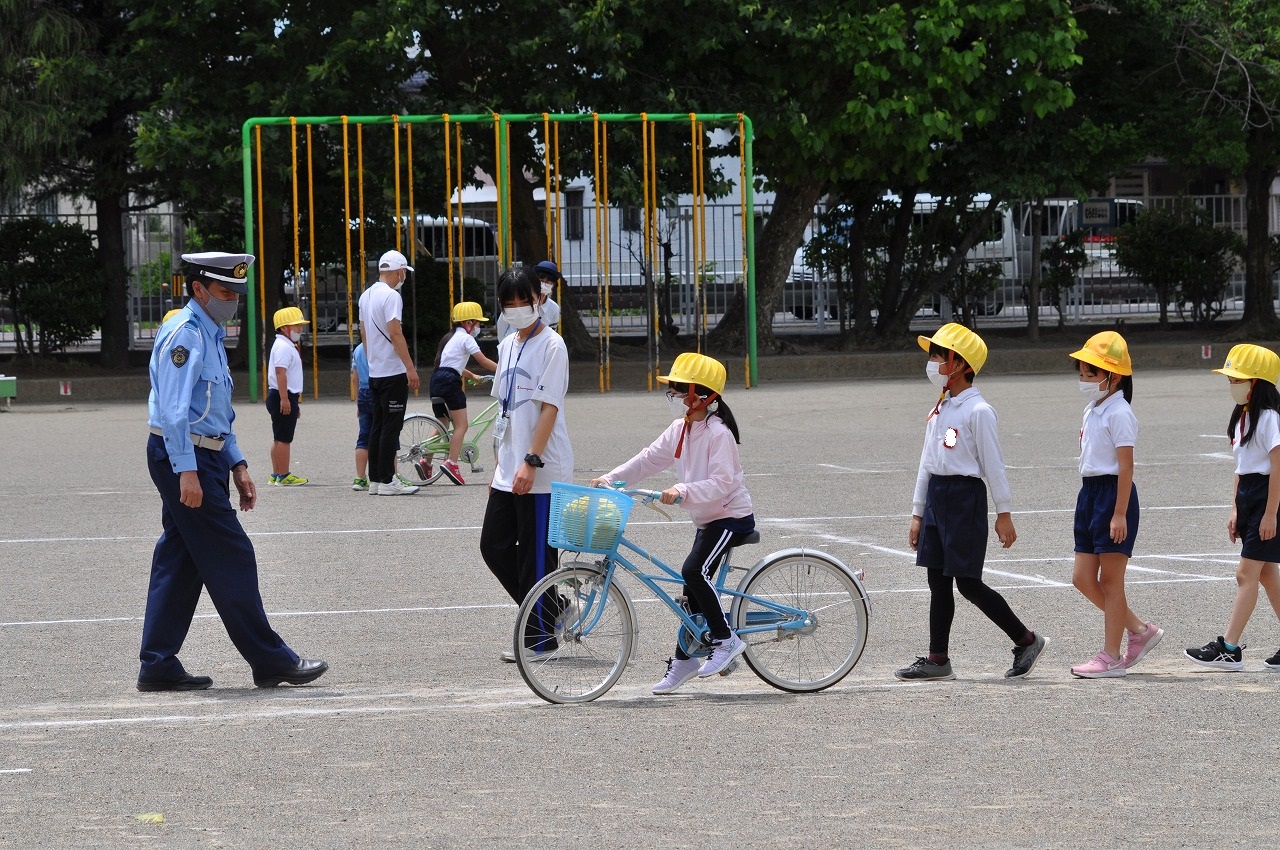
(832, 633)
(573, 635)
(424, 442)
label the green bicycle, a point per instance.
(424, 441)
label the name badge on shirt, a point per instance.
(500, 428)
(950, 438)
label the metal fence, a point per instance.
(693, 293)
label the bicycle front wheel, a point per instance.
(574, 635)
(810, 650)
(424, 443)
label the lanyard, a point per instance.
(511, 368)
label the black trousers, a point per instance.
(390, 395)
(942, 609)
(513, 543)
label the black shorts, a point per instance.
(953, 533)
(447, 384)
(282, 427)
(1094, 508)
(1251, 505)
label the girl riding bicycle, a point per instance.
(702, 444)
(456, 350)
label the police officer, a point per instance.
(191, 454)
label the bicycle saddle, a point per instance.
(744, 539)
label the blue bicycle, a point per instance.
(803, 614)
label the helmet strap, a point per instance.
(693, 403)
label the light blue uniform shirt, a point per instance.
(361, 364)
(191, 386)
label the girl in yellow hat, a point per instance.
(1254, 431)
(702, 444)
(284, 393)
(1106, 520)
(457, 348)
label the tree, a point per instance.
(47, 270)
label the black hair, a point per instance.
(721, 409)
(516, 283)
(1126, 381)
(1264, 397)
(934, 348)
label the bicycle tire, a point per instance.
(424, 442)
(594, 635)
(821, 653)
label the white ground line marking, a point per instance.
(420, 610)
(15, 770)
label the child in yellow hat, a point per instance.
(284, 393)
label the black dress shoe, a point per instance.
(185, 682)
(299, 674)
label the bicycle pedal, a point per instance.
(477, 469)
(732, 665)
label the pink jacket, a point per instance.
(711, 481)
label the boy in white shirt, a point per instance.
(284, 391)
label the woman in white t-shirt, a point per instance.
(456, 351)
(533, 449)
(1254, 431)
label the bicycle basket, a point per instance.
(586, 519)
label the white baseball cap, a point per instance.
(393, 261)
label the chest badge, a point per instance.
(179, 356)
(950, 438)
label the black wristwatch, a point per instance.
(534, 460)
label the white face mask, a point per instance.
(1092, 391)
(547, 287)
(1240, 392)
(935, 377)
(676, 405)
(294, 335)
(475, 330)
(520, 317)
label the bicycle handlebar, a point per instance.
(480, 379)
(648, 496)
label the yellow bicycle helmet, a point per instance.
(1107, 351)
(693, 368)
(289, 316)
(962, 341)
(465, 311)
(1248, 361)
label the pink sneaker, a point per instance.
(1140, 644)
(1103, 666)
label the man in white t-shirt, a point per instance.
(391, 371)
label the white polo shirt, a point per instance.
(1108, 425)
(458, 350)
(961, 439)
(379, 304)
(1255, 455)
(532, 371)
(285, 353)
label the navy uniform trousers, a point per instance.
(203, 547)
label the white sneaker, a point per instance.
(395, 487)
(679, 671)
(722, 654)
(373, 488)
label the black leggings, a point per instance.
(942, 609)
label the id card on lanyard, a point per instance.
(500, 424)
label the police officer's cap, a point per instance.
(230, 270)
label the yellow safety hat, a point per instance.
(289, 316)
(962, 341)
(176, 310)
(693, 368)
(1108, 351)
(1250, 361)
(465, 311)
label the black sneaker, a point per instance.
(924, 670)
(1215, 654)
(1025, 657)
(1273, 663)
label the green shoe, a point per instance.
(290, 480)
(360, 484)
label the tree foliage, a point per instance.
(48, 274)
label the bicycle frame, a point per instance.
(788, 619)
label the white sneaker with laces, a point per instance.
(394, 488)
(679, 671)
(722, 653)
(373, 488)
